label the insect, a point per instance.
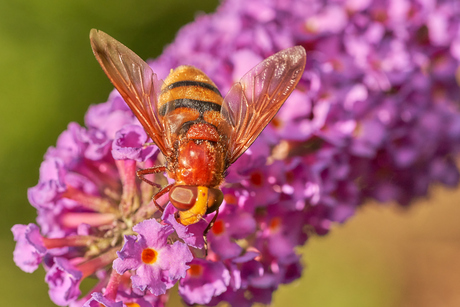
(199, 132)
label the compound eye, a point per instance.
(215, 198)
(183, 197)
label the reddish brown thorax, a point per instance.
(203, 131)
(199, 163)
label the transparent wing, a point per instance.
(136, 82)
(252, 102)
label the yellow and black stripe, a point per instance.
(188, 87)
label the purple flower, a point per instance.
(64, 280)
(156, 262)
(282, 230)
(50, 186)
(204, 280)
(230, 226)
(109, 117)
(191, 234)
(374, 116)
(129, 144)
(29, 250)
(98, 299)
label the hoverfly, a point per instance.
(199, 132)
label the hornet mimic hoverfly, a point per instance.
(199, 132)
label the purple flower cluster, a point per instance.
(374, 116)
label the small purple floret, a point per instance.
(207, 279)
(191, 234)
(153, 271)
(64, 281)
(29, 250)
(129, 143)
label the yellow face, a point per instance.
(194, 214)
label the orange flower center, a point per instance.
(230, 199)
(132, 305)
(256, 179)
(195, 270)
(275, 224)
(276, 123)
(218, 227)
(149, 256)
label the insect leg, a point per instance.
(152, 170)
(159, 194)
(148, 144)
(205, 233)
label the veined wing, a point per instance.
(252, 102)
(135, 80)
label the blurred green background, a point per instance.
(49, 77)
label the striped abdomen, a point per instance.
(189, 106)
(189, 97)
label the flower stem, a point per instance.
(68, 241)
(74, 219)
(92, 202)
(91, 266)
(112, 287)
